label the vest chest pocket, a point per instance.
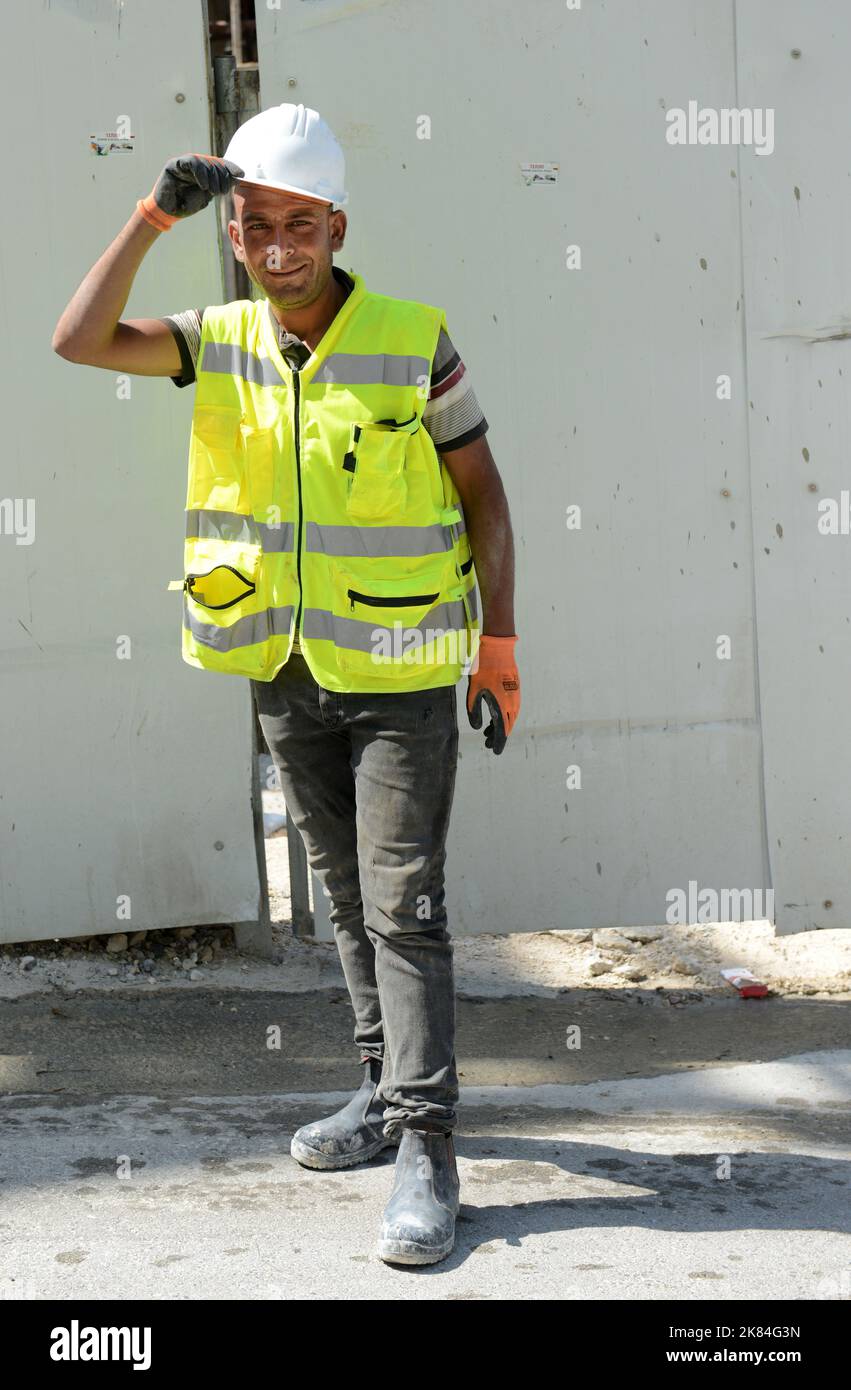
(259, 454)
(217, 473)
(375, 461)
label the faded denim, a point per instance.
(369, 781)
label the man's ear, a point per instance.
(338, 229)
(236, 246)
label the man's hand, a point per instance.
(185, 186)
(494, 677)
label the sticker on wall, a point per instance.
(111, 143)
(539, 173)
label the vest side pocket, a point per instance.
(382, 625)
(378, 488)
(220, 577)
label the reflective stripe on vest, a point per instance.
(320, 494)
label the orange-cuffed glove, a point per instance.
(494, 677)
(185, 186)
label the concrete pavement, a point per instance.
(730, 1182)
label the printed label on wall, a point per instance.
(111, 143)
(539, 173)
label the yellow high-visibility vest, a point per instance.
(317, 501)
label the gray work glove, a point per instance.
(187, 184)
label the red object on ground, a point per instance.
(746, 985)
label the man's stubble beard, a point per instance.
(274, 297)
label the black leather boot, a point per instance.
(419, 1220)
(351, 1135)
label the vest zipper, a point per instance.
(296, 385)
(396, 602)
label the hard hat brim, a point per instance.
(291, 188)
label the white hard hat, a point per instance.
(291, 148)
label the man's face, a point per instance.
(285, 242)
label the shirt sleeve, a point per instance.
(452, 416)
(186, 327)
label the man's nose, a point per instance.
(279, 251)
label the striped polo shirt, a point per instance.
(452, 414)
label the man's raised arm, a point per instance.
(91, 330)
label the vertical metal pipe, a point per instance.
(236, 29)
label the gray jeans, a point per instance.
(369, 782)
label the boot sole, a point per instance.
(313, 1158)
(407, 1252)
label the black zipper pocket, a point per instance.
(192, 579)
(397, 601)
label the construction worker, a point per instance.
(338, 464)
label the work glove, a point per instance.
(186, 185)
(494, 678)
